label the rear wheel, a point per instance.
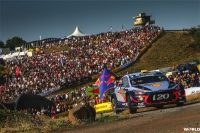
(159, 106)
(131, 108)
(114, 106)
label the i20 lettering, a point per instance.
(160, 96)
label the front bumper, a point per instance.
(158, 98)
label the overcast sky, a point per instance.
(30, 19)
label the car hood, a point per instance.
(165, 85)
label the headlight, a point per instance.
(139, 92)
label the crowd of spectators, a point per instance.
(84, 58)
(188, 80)
(48, 111)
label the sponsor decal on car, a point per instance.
(156, 85)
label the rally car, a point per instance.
(146, 89)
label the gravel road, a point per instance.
(168, 120)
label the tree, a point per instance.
(3, 73)
(15, 42)
(195, 32)
(197, 38)
(1, 44)
(192, 31)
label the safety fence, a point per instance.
(49, 91)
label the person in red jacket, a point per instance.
(104, 99)
(97, 100)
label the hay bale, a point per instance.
(82, 113)
(193, 98)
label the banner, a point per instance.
(198, 66)
(130, 62)
(103, 107)
(192, 90)
(49, 91)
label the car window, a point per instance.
(125, 82)
(148, 79)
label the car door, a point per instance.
(121, 91)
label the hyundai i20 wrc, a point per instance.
(146, 89)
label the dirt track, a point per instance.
(171, 120)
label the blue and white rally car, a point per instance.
(146, 89)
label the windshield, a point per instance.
(148, 79)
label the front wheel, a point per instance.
(114, 106)
(131, 108)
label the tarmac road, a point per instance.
(168, 120)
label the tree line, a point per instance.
(14, 42)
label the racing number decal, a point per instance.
(160, 96)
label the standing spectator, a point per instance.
(67, 96)
(38, 112)
(43, 111)
(53, 112)
(58, 109)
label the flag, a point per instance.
(107, 80)
(17, 71)
(110, 27)
(92, 91)
(61, 61)
(97, 83)
(122, 27)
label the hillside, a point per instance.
(169, 49)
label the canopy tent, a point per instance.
(1, 56)
(8, 57)
(25, 101)
(19, 53)
(78, 33)
(12, 56)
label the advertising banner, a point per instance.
(192, 90)
(103, 107)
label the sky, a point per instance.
(30, 19)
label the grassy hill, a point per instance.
(171, 48)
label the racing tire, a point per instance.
(114, 106)
(131, 108)
(159, 106)
(179, 104)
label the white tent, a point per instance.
(9, 57)
(77, 33)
